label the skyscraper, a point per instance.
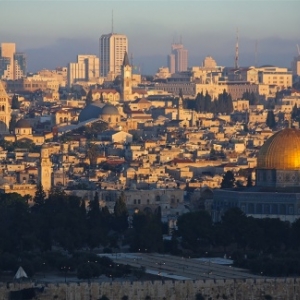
(12, 64)
(112, 49)
(178, 59)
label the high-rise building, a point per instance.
(86, 69)
(112, 49)
(178, 59)
(12, 64)
(20, 65)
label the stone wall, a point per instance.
(283, 289)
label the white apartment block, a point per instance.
(112, 49)
(280, 77)
(85, 69)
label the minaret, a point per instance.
(5, 110)
(126, 79)
(45, 171)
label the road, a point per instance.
(180, 268)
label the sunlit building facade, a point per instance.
(112, 49)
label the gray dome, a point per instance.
(91, 111)
(23, 124)
(109, 109)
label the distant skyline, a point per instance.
(52, 33)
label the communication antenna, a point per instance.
(131, 59)
(298, 49)
(256, 54)
(112, 21)
(236, 62)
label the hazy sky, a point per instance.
(53, 32)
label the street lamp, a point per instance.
(65, 269)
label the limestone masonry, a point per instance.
(283, 288)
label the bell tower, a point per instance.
(126, 79)
(5, 110)
(45, 171)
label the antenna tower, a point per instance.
(131, 59)
(256, 54)
(112, 21)
(298, 49)
(236, 62)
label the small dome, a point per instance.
(109, 109)
(23, 124)
(281, 151)
(91, 111)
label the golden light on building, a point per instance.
(281, 151)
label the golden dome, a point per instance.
(281, 151)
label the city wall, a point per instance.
(283, 289)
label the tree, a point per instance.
(96, 228)
(89, 97)
(249, 181)
(201, 223)
(199, 296)
(121, 214)
(92, 153)
(271, 119)
(12, 123)
(15, 104)
(295, 112)
(199, 105)
(228, 180)
(40, 195)
(147, 233)
(101, 98)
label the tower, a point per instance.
(45, 169)
(236, 60)
(112, 49)
(126, 78)
(178, 59)
(5, 110)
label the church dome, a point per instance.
(91, 111)
(109, 109)
(23, 124)
(281, 151)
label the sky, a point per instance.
(52, 33)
